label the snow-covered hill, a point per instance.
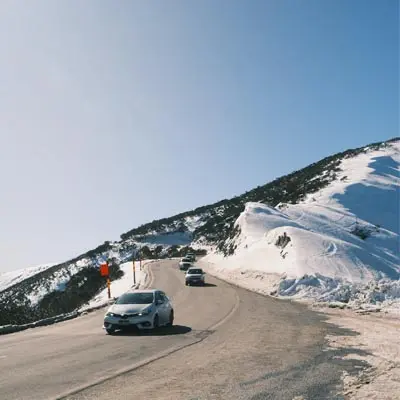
(340, 237)
(11, 278)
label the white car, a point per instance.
(141, 309)
(194, 276)
(184, 264)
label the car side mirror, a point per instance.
(158, 302)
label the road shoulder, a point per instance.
(378, 335)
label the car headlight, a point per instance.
(110, 314)
(146, 311)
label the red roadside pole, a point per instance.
(105, 272)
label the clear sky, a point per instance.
(115, 113)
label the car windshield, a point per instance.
(135, 298)
(195, 271)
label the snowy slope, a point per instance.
(55, 282)
(323, 254)
(8, 279)
(167, 239)
(178, 232)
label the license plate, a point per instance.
(123, 322)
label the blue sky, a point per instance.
(113, 114)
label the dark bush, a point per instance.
(362, 232)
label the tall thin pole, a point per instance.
(109, 287)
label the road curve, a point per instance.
(226, 343)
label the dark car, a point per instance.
(185, 265)
(191, 257)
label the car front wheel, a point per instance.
(156, 322)
(171, 318)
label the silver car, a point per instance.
(141, 309)
(195, 276)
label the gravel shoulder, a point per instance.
(378, 335)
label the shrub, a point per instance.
(363, 232)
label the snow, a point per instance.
(194, 222)
(57, 281)
(11, 278)
(324, 260)
(121, 285)
(167, 239)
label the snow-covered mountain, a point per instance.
(320, 231)
(332, 243)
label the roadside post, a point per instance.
(104, 271)
(134, 271)
(109, 287)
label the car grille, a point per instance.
(125, 316)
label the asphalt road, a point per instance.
(227, 343)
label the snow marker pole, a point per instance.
(109, 287)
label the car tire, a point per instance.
(171, 319)
(110, 331)
(156, 322)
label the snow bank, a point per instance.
(310, 250)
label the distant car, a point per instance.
(185, 265)
(141, 309)
(191, 257)
(194, 276)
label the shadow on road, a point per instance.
(162, 331)
(167, 330)
(205, 285)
